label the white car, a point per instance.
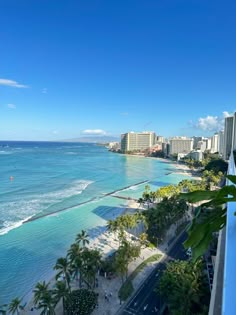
(189, 252)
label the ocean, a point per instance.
(50, 191)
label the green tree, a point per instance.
(40, 289)
(47, 303)
(168, 211)
(183, 281)
(64, 269)
(82, 302)
(121, 265)
(141, 202)
(75, 259)
(91, 261)
(15, 306)
(83, 238)
(216, 166)
(61, 292)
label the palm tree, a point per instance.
(140, 201)
(47, 303)
(40, 289)
(74, 255)
(15, 306)
(91, 260)
(63, 267)
(83, 238)
(61, 292)
(121, 265)
(113, 225)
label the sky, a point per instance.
(73, 68)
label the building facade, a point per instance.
(180, 145)
(196, 141)
(221, 143)
(196, 155)
(215, 143)
(137, 141)
(228, 136)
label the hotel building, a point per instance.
(180, 145)
(137, 141)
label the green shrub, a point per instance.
(81, 302)
(126, 290)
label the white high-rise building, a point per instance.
(160, 139)
(234, 132)
(202, 145)
(208, 143)
(133, 141)
(215, 143)
(228, 136)
(221, 143)
(181, 145)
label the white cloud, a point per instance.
(124, 114)
(12, 83)
(11, 106)
(212, 123)
(227, 114)
(94, 132)
(44, 90)
(55, 132)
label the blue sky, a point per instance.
(69, 68)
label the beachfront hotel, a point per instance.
(180, 145)
(135, 141)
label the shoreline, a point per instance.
(104, 242)
(97, 240)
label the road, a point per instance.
(146, 301)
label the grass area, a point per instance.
(144, 264)
(126, 290)
(127, 287)
(150, 245)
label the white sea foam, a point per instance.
(15, 213)
(9, 225)
(6, 152)
(71, 153)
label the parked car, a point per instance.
(189, 252)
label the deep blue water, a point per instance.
(38, 179)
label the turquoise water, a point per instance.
(52, 177)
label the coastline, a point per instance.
(127, 208)
(105, 242)
(183, 169)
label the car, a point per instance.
(189, 252)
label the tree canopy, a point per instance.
(183, 288)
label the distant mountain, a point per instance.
(98, 139)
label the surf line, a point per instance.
(34, 218)
(119, 190)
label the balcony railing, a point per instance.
(229, 285)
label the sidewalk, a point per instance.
(112, 305)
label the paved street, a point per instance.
(146, 301)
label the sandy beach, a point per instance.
(106, 242)
(183, 169)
